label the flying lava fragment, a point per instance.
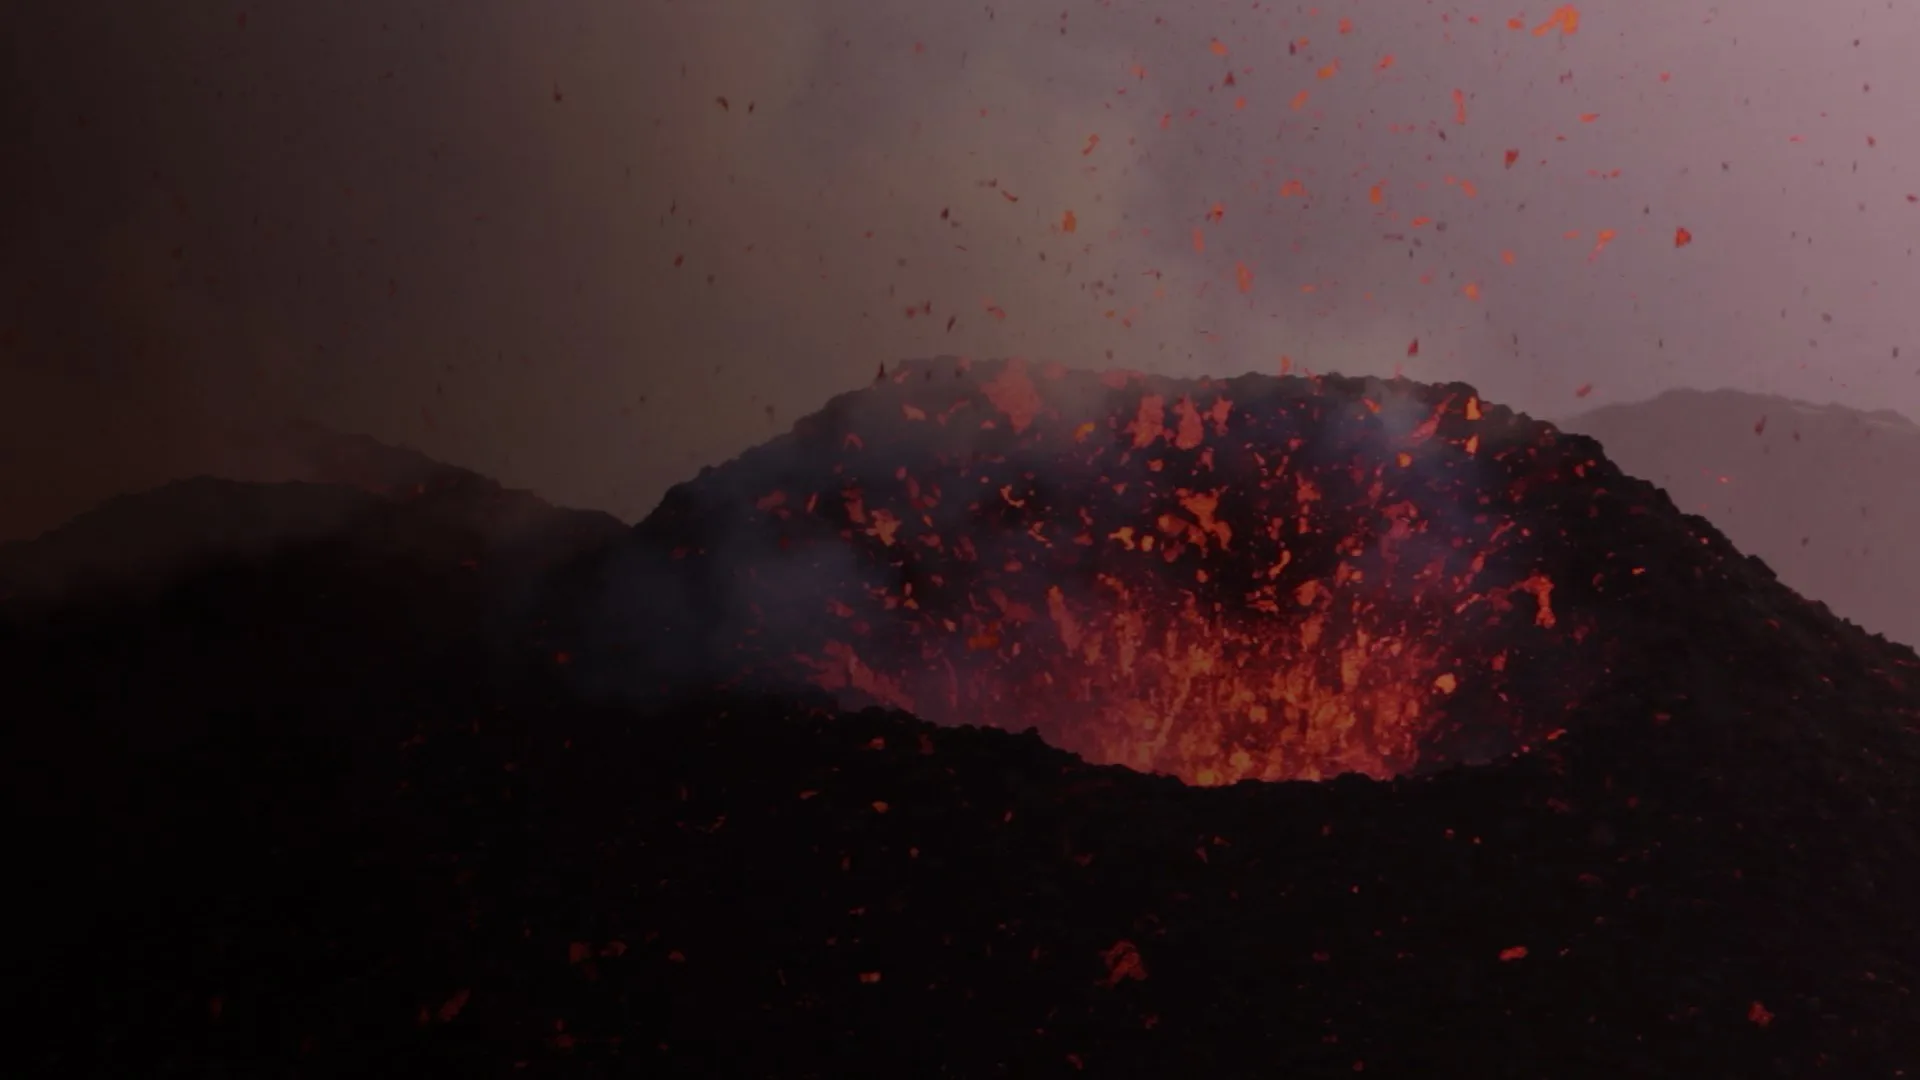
(1565, 18)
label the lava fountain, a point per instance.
(1257, 578)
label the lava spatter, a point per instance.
(1256, 578)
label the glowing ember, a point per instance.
(1251, 579)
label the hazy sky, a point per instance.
(585, 245)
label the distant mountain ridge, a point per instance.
(307, 484)
(302, 450)
(1824, 494)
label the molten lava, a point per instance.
(1221, 580)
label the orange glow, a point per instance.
(1601, 240)
(1566, 18)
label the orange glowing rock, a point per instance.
(1123, 963)
(1013, 393)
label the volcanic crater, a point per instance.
(1267, 578)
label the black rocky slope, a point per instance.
(1823, 493)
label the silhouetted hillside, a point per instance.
(1826, 495)
(435, 512)
(233, 448)
(310, 452)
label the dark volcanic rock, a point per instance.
(1823, 493)
(313, 813)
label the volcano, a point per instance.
(1254, 578)
(1258, 726)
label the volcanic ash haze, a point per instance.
(1250, 578)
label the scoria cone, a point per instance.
(1252, 578)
